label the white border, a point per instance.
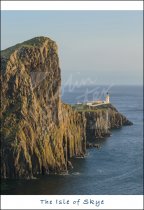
(33, 202)
(112, 202)
(72, 5)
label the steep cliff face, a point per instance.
(100, 120)
(38, 132)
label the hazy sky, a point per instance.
(102, 46)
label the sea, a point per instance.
(115, 168)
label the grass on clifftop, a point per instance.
(86, 108)
(35, 42)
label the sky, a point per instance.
(100, 47)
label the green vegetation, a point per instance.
(86, 108)
(35, 42)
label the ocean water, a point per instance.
(116, 168)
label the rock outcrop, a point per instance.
(39, 133)
(101, 120)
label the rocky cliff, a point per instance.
(101, 120)
(39, 133)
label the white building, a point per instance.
(99, 102)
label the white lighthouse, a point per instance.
(107, 98)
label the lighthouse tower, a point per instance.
(107, 98)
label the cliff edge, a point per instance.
(100, 120)
(39, 133)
